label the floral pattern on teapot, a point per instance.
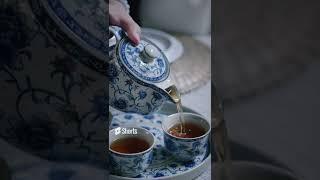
(127, 95)
(134, 76)
(156, 71)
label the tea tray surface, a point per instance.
(163, 166)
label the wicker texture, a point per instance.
(193, 68)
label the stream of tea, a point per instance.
(219, 138)
(181, 118)
(175, 95)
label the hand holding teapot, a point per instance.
(139, 75)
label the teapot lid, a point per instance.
(145, 61)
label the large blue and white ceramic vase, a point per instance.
(138, 74)
(53, 68)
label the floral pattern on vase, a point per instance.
(53, 97)
(87, 19)
(57, 33)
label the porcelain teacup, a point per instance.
(187, 149)
(130, 164)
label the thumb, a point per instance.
(132, 28)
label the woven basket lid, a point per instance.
(193, 68)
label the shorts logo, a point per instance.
(117, 130)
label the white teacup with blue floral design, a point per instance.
(130, 164)
(187, 149)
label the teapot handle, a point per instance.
(115, 33)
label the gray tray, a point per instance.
(161, 168)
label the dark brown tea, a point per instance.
(129, 145)
(190, 130)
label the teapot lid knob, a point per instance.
(150, 53)
(144, 62)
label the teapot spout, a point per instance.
(171, 90)
(174, 94)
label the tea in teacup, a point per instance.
(129, 145)
(190, 130)
(126, 149)
(193, 143)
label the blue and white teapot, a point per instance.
(139, 76)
